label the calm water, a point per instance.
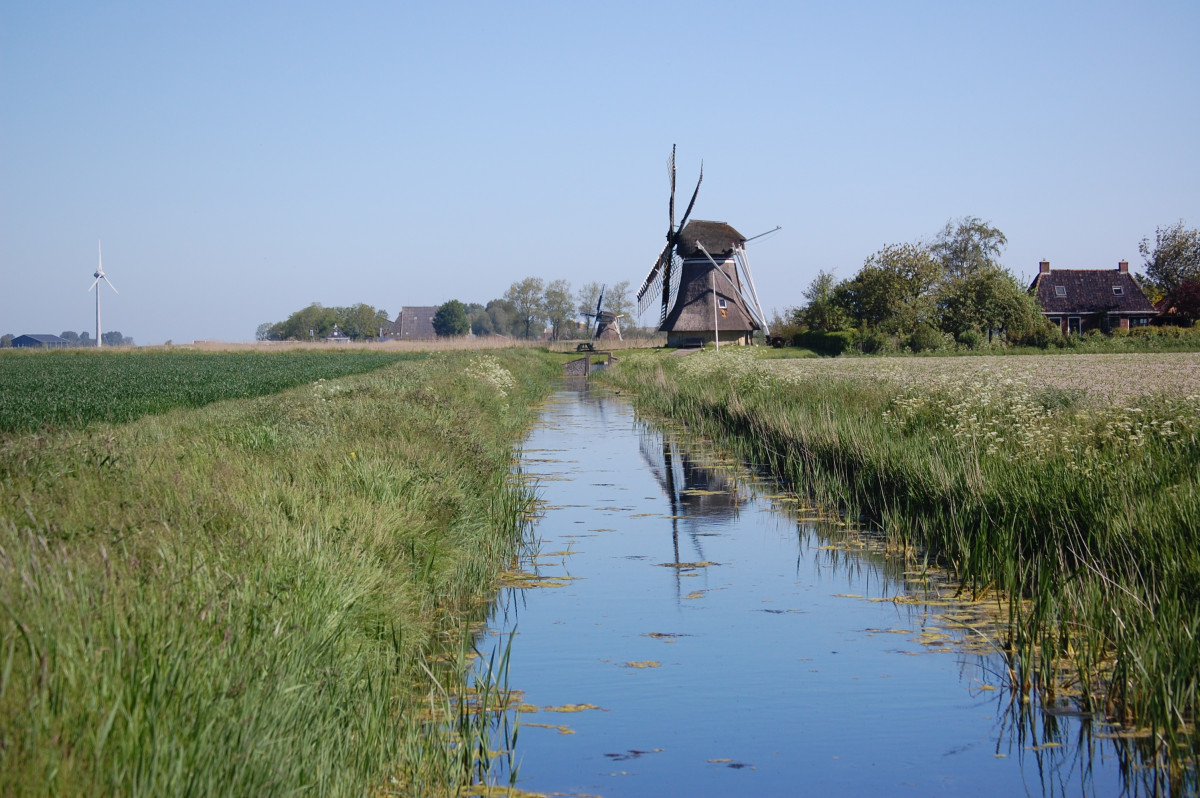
(731, 648)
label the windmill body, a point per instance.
(702, 278)
(709, 305)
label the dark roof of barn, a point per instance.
(1090, 291)
(42, 339)
(415, 322)
(717, 237)
(693, 308)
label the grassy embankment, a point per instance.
(251, 597)
(1075, 501)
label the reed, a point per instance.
(262, 596)
(1084, 513)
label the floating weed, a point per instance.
(522, 580)
(648, 663)
(687, 565)
(573, 708)
(559, 728)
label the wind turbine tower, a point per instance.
(99, 275)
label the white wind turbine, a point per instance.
(99, 275)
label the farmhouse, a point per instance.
(43, 341)
(1078, 300)
(414, 324)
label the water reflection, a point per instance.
(714, 636)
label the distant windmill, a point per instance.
(99, 275)
(606, 321)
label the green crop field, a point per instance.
(75, 388)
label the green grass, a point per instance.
(1085, 516)
(265, 596)
(74, 388)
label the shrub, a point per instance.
(825, 343)
(971, 339)
(877, 343)
(926, 339)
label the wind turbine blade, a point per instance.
(93, 285)
(110, 285)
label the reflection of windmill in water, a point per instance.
(702, 277)
(699, 497)
(606, 321)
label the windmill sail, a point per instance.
(663, 279)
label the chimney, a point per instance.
(1123, 267)
(1044, 267)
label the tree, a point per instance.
(451, 319)
(502, 315)
(617, 301)
(893, 290)
(6, 341)
(823, 312)
(967, 245)
(588, 295)
(1187, 300)
(314, 321)
(114, 338)
(985, 301)
(559, 306)
(526, 299)
(70, 336)
(1174, 260)
(265, 330)
(361, 320)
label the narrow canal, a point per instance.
(693, 631)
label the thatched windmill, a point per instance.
(703, 279)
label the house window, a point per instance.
(1142, 322)
(721, 303)
(1118, 290)
(1056, 320)
(1060, 290)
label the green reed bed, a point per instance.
(262, 596)
(1080, 512)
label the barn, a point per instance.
(34, 341)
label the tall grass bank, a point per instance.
(1072, 503)
(250, 597)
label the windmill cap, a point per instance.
(719, 238)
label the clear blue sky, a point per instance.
(241, 160)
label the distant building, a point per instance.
(337, 336)
(1078, 300)
(414, 324)
(43, 341)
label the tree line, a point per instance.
(532, 305)
(952, 291)
(526, 310)
(360, 321)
